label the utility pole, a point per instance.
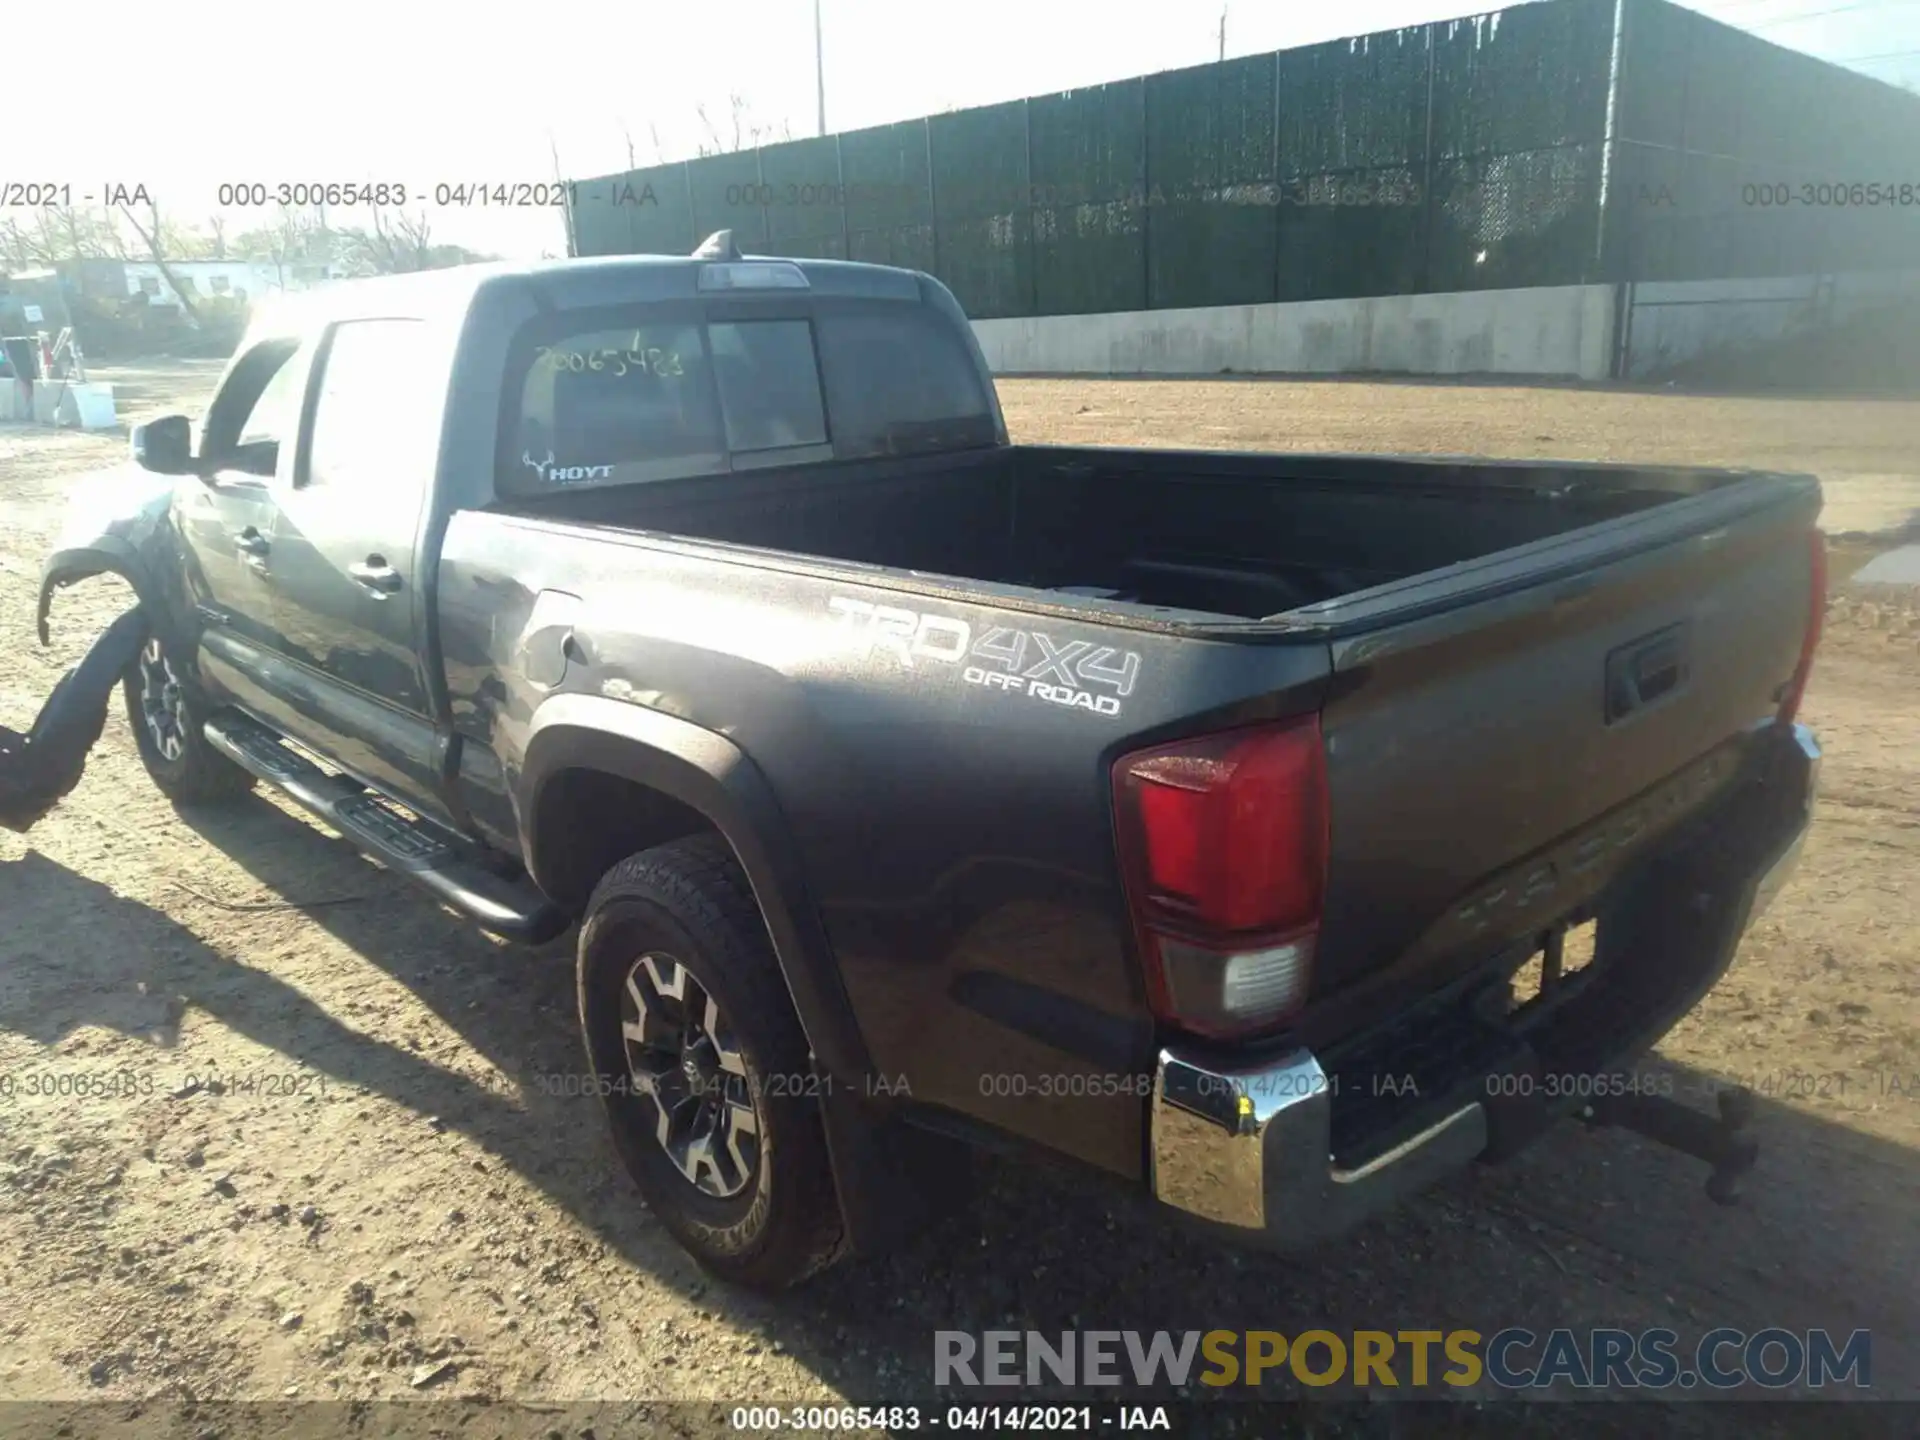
(819, 67)
(1223, 32)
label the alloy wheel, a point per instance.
(682, 1061)
(162, 704)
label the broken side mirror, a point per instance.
(165, 446)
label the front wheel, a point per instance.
(701, 1062)
(167, 715)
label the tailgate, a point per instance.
(1503, 735)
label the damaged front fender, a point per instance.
(119, 523)
(41, 767)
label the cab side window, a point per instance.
(257, 409)
(275, 414)
(375, 427)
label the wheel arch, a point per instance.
(121, 523)
(108, 555)
(694, 779)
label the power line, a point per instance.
(1738, 5)
(1817, 14)
(1863, 59)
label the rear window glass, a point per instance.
(607, 404)
(899, 381)
(635, 403)
(769, 385)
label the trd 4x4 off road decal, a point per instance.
(1021, 662)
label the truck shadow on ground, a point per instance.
(1587, 1229)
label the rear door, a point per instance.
(347, 603)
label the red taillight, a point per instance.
(1223, 841)
(1816, 618)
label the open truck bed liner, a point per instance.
(1198, 538)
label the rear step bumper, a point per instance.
(507, 907)
(1249, 1149)
(1252, 1150)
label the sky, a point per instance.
(422, 93)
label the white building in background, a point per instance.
(244, 281)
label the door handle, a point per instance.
(376, 575)
(251, 542)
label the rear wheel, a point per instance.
(703, 1068)
(167, 713)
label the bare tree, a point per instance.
(152, 235)
(743, 131)
(413, 236)
(58, 233)
(303, 234)
(24, 246)
(396, 243)
(77, 232)
(297, 235)
(390, 246)
(19, 246)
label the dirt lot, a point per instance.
(377, 1186)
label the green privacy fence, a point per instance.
(1736, 158)
(1547, 144)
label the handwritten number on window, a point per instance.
(649, 360)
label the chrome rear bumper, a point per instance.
(1249, 1149)
(1774, 879)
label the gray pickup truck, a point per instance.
(1216, 820)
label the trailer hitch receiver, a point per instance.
(1720, 1140)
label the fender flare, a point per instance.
(107, 555)
(711, 775)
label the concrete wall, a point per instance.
(1675, 321)
(1551, 331)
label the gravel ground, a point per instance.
(334, 1177)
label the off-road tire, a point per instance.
(198, 774)
(690, 900)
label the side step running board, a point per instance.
(510, 908)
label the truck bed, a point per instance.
(1201, 532)
(1465, 623)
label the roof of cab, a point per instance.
(563, 284)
